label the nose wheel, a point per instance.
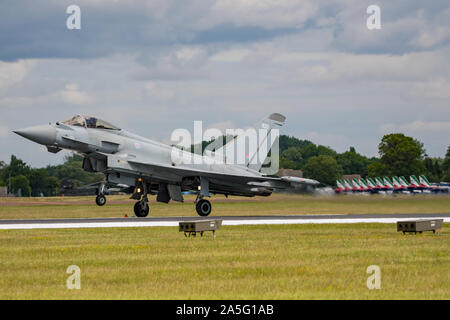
(203, 207)
(141, 208)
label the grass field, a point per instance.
(119, 206)
(243, 262)
(251, 262)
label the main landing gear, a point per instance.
(203, 207)
(141, 208)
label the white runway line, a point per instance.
(325, 221)
(131, 224)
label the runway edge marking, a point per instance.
(24, 226)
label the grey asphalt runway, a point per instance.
(227, 220)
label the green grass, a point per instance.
(243, 262)
(119, 206)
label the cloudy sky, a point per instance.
(154, 66)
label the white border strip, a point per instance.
(131, 224)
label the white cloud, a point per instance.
(434, 134)
(314, 61)
(159, 92)
(419, 127)
(232, 55)
(71, 95)
(221, 126)
(336, 141)
(264, 13)
(438, 88)
(13, 72)
(4, 131)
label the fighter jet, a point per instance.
(400, 186)
(150, 168)
(340, 188)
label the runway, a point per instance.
(227, 220)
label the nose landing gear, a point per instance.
(100, 200)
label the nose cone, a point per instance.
(45, 134)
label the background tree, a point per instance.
(291, 158)
(52, 186)
(400, 155)
(21, 183)
(72, 169)
(326, 151)
(15, 168)
(353, 162)
(446, 166)
(288, 142)
(324, 169)
(433, 169)
(38, 180)
(377, 169)
(2, 167)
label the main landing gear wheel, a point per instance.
(141, 209)
(100, 200)
(203, 208)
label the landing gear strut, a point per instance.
(100, 200)
(203, 206)
(141, 208)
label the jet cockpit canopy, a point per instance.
(89, 122)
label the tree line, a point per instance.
(399, 155)
(44, 181)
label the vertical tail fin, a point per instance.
(424, 181)
(388, 182)
(403, 181)
(340, 184)
(414, 181)
(261, 139)
(379, 182)
(348, 185)
(396, 182)
(363, 184)
(371, 183)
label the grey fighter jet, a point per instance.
(152, 168)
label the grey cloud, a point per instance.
(36, 29)
(152, 67)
